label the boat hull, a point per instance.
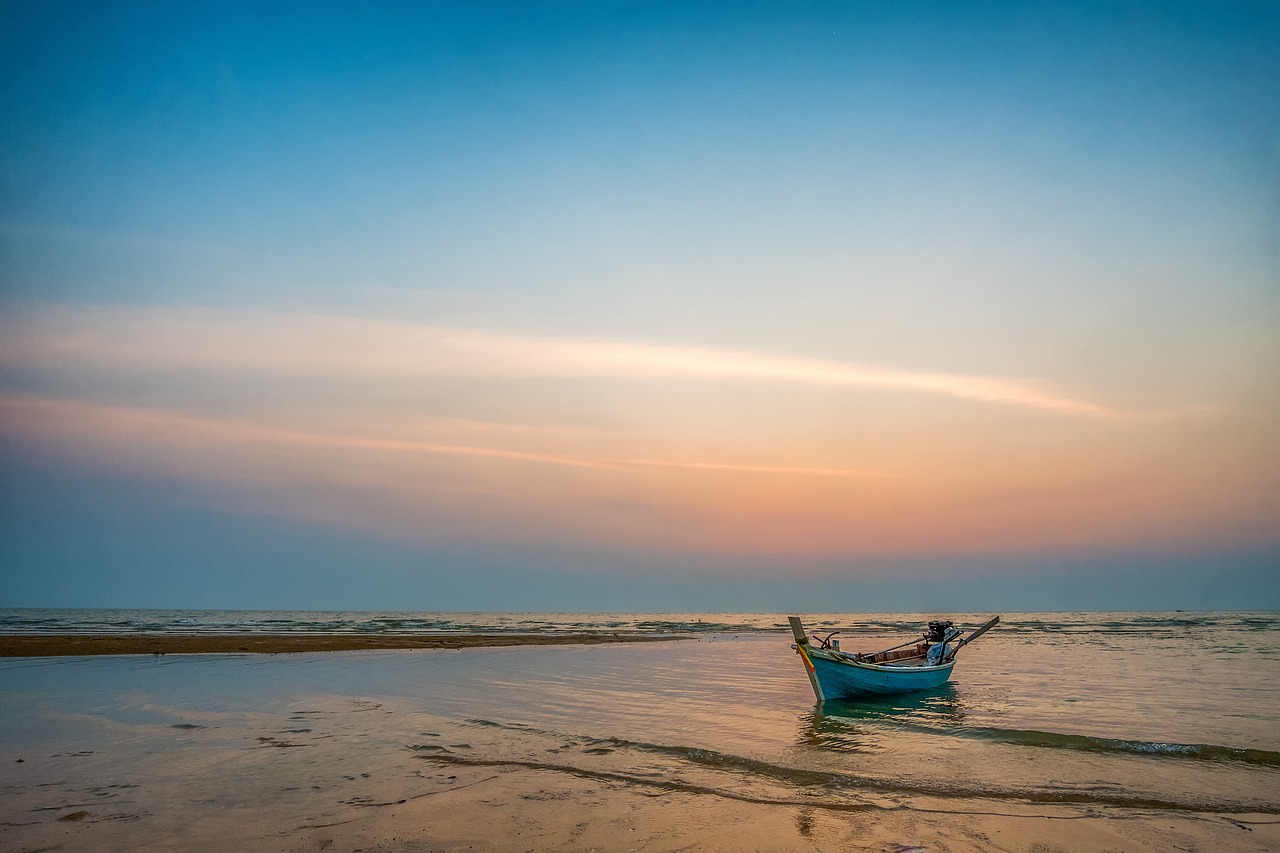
(845, 679)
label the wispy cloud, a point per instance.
(72, 419)
(46, 417)
(761, 469)
(307, 345)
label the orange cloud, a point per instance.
(525, 485)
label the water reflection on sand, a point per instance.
(839, 725)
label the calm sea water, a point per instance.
(1148, 711)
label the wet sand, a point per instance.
(387, 806)
(51, 645)
(516, 810)
(294, 754)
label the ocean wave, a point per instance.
(826, 727)
(934, 715)
(1209, 626)
(1156, 749)
(739, 777)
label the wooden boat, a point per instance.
(914, 665)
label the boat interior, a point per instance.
(898, 656)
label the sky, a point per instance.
(614, 306)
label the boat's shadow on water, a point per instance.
(847, 725)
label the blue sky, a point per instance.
(625, 306)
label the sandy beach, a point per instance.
(578, 739)
(393, 807)
(338, 774)
(34, 645)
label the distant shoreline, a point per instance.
(52, 645)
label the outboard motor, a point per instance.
(939, 631)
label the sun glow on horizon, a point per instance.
(526, 484)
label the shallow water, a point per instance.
(1163, 712)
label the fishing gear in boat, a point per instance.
(828, 643)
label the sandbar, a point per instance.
(51, 645)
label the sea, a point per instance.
(1174, 713)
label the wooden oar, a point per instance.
(975, 635)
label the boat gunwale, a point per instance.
(826, 655)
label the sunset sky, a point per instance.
(834, 306)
